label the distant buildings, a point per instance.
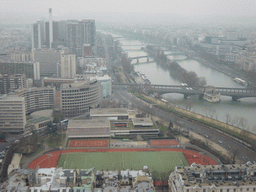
(71, 33)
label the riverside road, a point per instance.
(244, 153)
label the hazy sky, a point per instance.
(93, 8)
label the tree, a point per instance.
(228, 118)
(233, 155)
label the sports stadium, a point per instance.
(89, 144)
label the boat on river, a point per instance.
(211, 95)
(240, 81)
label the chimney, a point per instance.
(50, 27)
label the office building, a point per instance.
(9, 83)
(30, 69)
(12, 116)
(77, 98)
(68, 66)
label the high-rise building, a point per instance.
(73, 37)
(88, 32)
(80, 33)
(38, 35)
(9, 83)
(12, 116)
(68, 65)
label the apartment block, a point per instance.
(12, 113)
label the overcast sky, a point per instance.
(63, 9)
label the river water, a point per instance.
(238, 111)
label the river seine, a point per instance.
(238, 112)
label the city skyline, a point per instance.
(118, 11)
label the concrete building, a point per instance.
(13, 115)
(37, 99)
(68, 65)
(88, 128)
(9, 83)
(47, 59)
(30, 69)
(214, 178)
(77, 98)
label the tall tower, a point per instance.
(50, 27)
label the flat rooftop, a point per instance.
(142, 122)
(90, 123)
(107, 112)
(38, 120)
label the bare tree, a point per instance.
(228, 118)
(233, 155)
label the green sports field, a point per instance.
(161, 161)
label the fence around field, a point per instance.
(51, 159)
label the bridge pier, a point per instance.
(235, 98)
(186, 96)
(137, 60)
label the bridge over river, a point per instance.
(235, 93)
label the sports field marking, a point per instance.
(123, 158)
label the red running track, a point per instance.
(51, 159)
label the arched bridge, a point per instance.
(235, 93)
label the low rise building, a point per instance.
(88, 128)
(214, 178)
(38, 124)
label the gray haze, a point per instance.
(161, 11)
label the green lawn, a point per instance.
(160, 161)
